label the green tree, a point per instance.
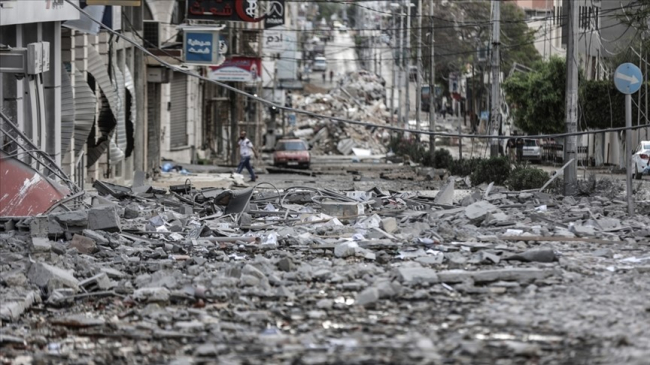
(326, 10)
(461, 27)
(537, 98)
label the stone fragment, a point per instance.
(253, 271)
(342, 209)
(367, 297)
(604, 252)
(325, 304)
(99, 282)
(446, 195)
(519, 274)
(346, 249)
(249, 280)
(151, 294)
(44, 275)
(14, 279)
(19, 302)
(84, 244)
(286, 264)
(41, 244)
(478, 210)
(104, 218)
(389, 225)
(431, 260)
(76, 218)
(537, 255)
(38, 227)
(417, 275)
(97, 237)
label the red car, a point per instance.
(292, 153)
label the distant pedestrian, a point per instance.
(324, 77)
(331, 76)
(520, 149)
(246, 151)
(511, 147)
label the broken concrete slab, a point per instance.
(516, 274)
(446, 194)
(342, 209)
(367, 297)
(478, 210)
(84, 244)
(537, 255)
(104, 218)
(41, 244)
(389, 224)
(417, 275)
(45, 275)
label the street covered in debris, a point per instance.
(487, 232)
(301, 274)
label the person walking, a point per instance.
(331, 76)
(511, 146)
(520, 149)
(324, 77)
(246, 151)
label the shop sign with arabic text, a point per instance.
(222, 10)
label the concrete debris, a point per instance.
(324, 276)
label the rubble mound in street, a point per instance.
(360, 97)
(313, 275)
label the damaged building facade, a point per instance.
(103, 109)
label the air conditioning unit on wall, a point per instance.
(152, 31)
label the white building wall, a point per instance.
(30, 11)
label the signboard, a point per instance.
(279, 39)
(115, 2)
(222, 10)
(202, 47)
(275, 14)
(628, 78)
(238, 69)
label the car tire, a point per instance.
(637, 175)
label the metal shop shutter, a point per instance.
(178, 111)
(153, 126)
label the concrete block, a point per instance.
(97, 237)
(44, 275)
(368, 297)
(478, 210)
(41, 244)
(151, 294)
(54, 228)
(342, 209)
(446, 194)
(77, 218)
(346, 249)
(417, 275)
(99, 282)
(517, 274)
(84, 244)
(389, 225)
(104, 218)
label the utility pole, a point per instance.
(432, 87)
(418, 87)
(407, 72)
(571, 142)
(495, 113)
(392, 84)
(400, 69)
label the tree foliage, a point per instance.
(463, 26)
(538, 97)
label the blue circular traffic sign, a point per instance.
(628, 78)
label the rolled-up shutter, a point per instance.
(67, 110)
(178, 111)
(153, 126)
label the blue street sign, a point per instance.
(628, 78)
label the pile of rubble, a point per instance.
(361, 98)
(317, 276)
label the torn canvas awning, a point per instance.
(25, 191)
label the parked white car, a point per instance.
(532, 150)
(320, 64)
(641, 158)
